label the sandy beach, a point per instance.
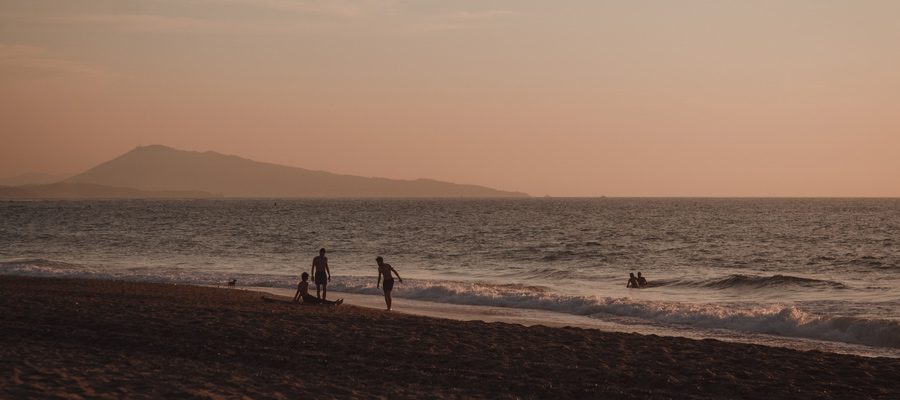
(74, 338)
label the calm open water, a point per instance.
(825, 272)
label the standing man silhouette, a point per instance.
(385, 269)
(321, 273)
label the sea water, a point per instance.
(807, 273)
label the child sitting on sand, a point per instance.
(303, 293)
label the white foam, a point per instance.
(771, 319)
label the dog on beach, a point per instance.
(231, 283)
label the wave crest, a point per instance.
(753, 318)
(738, 281)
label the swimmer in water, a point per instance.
(642, 282)
(632, 281)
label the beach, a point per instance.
(84, 338)
(815, 274)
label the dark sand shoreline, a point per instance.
(74, 338)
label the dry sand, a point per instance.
(72, 338)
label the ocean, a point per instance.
(818, 274)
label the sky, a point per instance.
(562, 98)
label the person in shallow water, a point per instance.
(386, 269)
(303, 293)
(321, 274)
(641, 281)
(632, 281)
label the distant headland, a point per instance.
(159, 171)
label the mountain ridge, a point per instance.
(162, 168)
(62, 190)
(33, 178)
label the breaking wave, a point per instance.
(774, 319)
(756, 282)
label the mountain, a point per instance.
(91, 191)
(32, 178)
(163, 168)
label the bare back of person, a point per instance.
(320, 263)
(384, 270)
(303, 287)
(632, 282)
(321, 274)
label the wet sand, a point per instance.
(73, 338)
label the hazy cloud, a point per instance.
(178, 25)
(14, 52)
(480, 15)
(432, 27)
(141, 23)
(456, 21)
(335, 8)
(18, 61)
(311, 16)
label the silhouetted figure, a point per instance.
(632, 282)
(385, 270)
(303, 293)
(642, 282)
(321, 273)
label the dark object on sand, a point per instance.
(296, 303)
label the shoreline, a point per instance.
(532, 317)
(111, 339)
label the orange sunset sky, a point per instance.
(560, 98)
